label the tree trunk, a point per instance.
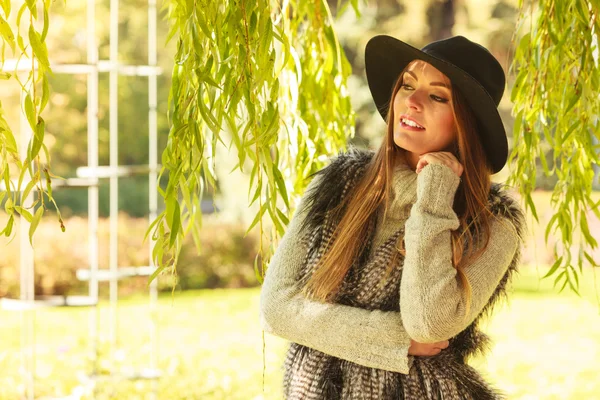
(440, 17)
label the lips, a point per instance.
(409, 122)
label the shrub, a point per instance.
(226, 258)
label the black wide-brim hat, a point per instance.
(470, 67)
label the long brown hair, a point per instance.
(374, 188)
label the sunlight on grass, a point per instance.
(546, 346)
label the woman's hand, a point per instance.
(440, 157)
(426, 349)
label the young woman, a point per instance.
(394, 256)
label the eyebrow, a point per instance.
(431, 84)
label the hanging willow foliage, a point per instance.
(266, 78)
(557, 107)
(270, 79)
(30, 49)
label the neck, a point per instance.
(411, 159)
(403, 189)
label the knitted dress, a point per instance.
(357, 348)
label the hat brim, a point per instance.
(386, 57)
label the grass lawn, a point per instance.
(547, 346)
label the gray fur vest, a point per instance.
(312, 375)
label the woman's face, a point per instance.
(423, 118)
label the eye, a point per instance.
(406, 87)
(439, 99)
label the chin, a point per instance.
(404, 143)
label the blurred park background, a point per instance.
(547, 345)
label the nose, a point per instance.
(413, 101)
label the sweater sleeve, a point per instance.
(432, 301)
(374, 338)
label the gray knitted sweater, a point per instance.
(428, 301)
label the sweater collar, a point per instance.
(403, 191)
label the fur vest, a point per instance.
(313, 375)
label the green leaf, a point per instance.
(19, 15)
(565, 284)
(31, 4)
(257, 217)
(176, 223)
(595, 206)
(157, 271)
(6, 6)
(529, 201)
(576, 279)
(7, 182)
(26, 214)
(573, 100)
(586, 230)
(45, 93)
(253, 174)
(28, 188)
(549, 226)
(560, 275)
(46, 22)
(276, 222)
(517, 124)
(554, 267)
(158, 219)
(9, 140)
(283, 217)
(7, 34)
(253, 22)
(39, 47)
(22, 176)
(354, 6)
(281, 185)
(266, 36)
(590, 259)
(48, 183)
(256, 194)
(207, 116)
(35, 222)
(38, 138)
(30, 113)
(9, 225)
(203, 26)
(257, 272)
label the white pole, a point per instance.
(27, 288)
(92, 151)
(152, 185)
(114, 183)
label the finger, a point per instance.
(449, 156)
(427, 158)
(436, 157)
(447, 159)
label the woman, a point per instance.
(394, 256)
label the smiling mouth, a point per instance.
(410, 123)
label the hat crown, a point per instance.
(473, 59)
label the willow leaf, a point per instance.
(35, 222)
(39, 47)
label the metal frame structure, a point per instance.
(89, 177)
